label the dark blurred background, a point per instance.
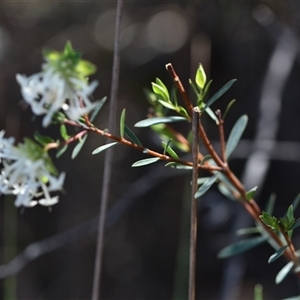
(146, 240)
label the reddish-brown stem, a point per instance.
(180, 88)
(221, 135)
(151, 152)
(179, 137)
(250, 205)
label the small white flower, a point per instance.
(49, 92)
(62, 84)
(27, 172)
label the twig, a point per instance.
(221, 134)
(193, 228)
(108, 154)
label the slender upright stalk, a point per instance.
(194, 206)
(108, 154)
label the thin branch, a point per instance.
(194, 206)
(109, 153)
(181, 89)
(221, 135)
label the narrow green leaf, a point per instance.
(290, 213)
(97, 109)
(212, 115)
(132, 136)
(244, 231)
(167, 104)
(194, 87)
(236, 134)
(182, 111)
(292, 298)
(250, 193)
(206, 89)
(176, 165)
(85, 68)
(277, 254)
(104, 147)
(205, 186)
(258, 292)
(162, 85)
(200, 78)
(169, 150)
(228, 108)
(61, 151)
(226, 191)
(146, 161)
(296, 224)
(219, 93)
(201, 180)
(43, 139)
(241, 246)
(284, 272)
(270, 204)
(63, 132)
(122, 123)
(296, 202)
(78, 147)
(268, 219)
(159, 120)
(161, 92)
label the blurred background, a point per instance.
(146, 239)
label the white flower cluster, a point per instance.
(25, 173)
(49, 91)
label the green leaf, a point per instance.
(132, 136)
(241, 246)
(244, 231)
(296, 202)
(160, 90)
(277, 254)
(63, 132)
(97, 109)
(205, 186)
(212, 115)
(292, 298)
(122, 123)
(201, 180)
(159, 120)
(284, 272)
(269, 220)
(295, 224)
(219, 93)
(146, 161)
(85, 68)
(258, 292)
(270, 204)
(236, 134)
(43, 139)
(61, 151)
(226, 191)
(78, 147)
(200, 78)
(167, 104)
(182, 111)
(104, 147)
(169, 150)
(228, 108)
(290, 213)
(176, 165)
(194, 87)
(250, 193)
(206, 89)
